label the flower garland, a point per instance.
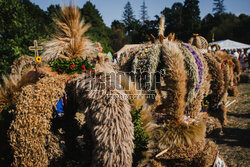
(146, 60)
(72, 66)
(192, 73)
(199, 65)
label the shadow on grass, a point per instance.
(234, 137)
(239, 115)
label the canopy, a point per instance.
(229, 44)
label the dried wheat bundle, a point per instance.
(199, 41)
(202, 154)
(192, 75)
(213, 125)
(30, 134)
(227, 68)
(146, 61)
(19, 64)
(108, 117)
(12, 84)
(174, 133)
(69, 41)
(175, 79)
(207, 157)
(195, 107)
(130, 89)
(183, 152)
(217, 80)
(127, 55)
(237, 69)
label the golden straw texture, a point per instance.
(32, 141)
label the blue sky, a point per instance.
(113, 9)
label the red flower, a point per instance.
(83, 68)
(72, 66)
(221, 66)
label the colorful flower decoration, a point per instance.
(77, 65)
(38, 59)
(83, 68)
(187, 120)
(199, 64)
(221, 66)
(72, 66)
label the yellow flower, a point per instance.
(38, 59)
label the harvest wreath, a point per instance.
(77, 65)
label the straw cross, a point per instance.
(35, 48)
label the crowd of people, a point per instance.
(243, 55)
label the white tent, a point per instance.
(229, 44)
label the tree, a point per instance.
(118, 36)
(174, 18)
(21, 22)
(191, 18)
(219, 7)
(52, 10)
(144, 12)
(128, 17)
(98, 31)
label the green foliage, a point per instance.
(118, 36)
(128, 17)
(174, 21)
(77, 65)
(183, 19)
(191, 18)
(141, 138)
(226, 26)
(21, 22)
(98, 31)
(53, 10)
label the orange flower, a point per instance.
(38, 59)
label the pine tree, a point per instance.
(174, 21)
(191, 18)
(219, 7)
(128, 16)
(144, 12)
(98, 31)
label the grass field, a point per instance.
(234, 143)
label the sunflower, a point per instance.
(38, 59)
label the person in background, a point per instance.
(248, 59)
(236, 54)
(115, 57)
(241, 58)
